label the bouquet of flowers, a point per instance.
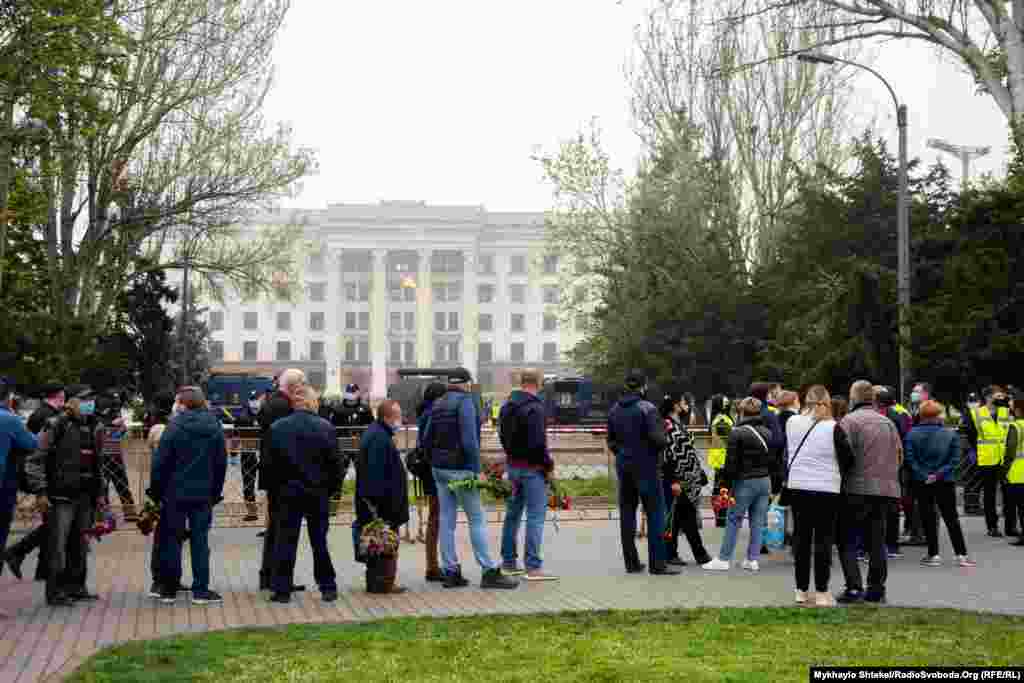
(148, 518)
(723, 501)
(496, 483)
(556, 499)
(377, 539)
(103, 526)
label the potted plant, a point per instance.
(378, 544)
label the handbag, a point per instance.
(418, 463)
(784, 499)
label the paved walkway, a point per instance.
(40, 642)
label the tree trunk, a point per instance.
(6, 127)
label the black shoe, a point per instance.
(59, 601)
(454, 579)
(915, 541)
(765, 550)
(251, 518)
(83, 596)
(13, 563)
(1011, 532)
(636, 569)
(876, 597)
(329, 596)
(666, 571)
(676, 562)
(851, 597)
(493, 578)
(1019, 542)
(995, 533)
(434, 577)
(282, 598)
(264, 584)
(261, 534)
(298, 587)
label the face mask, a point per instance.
(254, 406)
(915, 397)
(1002, 402)
(87, 407)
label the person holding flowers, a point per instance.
(683, 480)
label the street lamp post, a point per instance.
(902, 214)
(964, 153)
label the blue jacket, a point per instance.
(442, 435)
(932, 449)
(304, 455)
(14, 437)
(381, 478)
(636, 434)
(523, 432)
(191, 461)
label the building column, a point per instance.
(470, 308)
(424, 312)
(332, 325)
(378, 326)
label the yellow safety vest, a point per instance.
(900, 409)
(991, 437)
(716, 454)
(1016, 473)
(773, 409)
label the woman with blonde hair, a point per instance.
(817, 454)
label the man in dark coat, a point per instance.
(382, 485)
(16, 442)
(305, 471)
(276, 405)
(187, 481)
(636, 435)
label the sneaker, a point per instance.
(825, 599)
(168, 598)
(538, 575)
(436, 576)
(636, 568)
(1011, 532)
(875, 597)
(801, 596)
(751, 565)
(716, 565)
(154, 590)
(280, 598)
(512, 570)
(965, 561)
(666, 571)
(493, 578)
(455, 579)
(329, 596)
(895, 555)
(206, 598)
(862, 557)
(931, 561)
(850, 597)
(676, 562)
(82, 595)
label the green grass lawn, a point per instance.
(763, 644)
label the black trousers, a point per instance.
(864, 514)
(943, 495)
(683, 518)
(66, 521)
(269, 539)
(992, 478)
(1015, 499)
(289, 516)
(633, 491)
(114, 471)
(817, 512)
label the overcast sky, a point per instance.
(445, 101)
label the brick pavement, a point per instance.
(38, 642)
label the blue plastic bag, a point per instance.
(774, 533)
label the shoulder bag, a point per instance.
(784, 497)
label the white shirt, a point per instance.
(815, 467)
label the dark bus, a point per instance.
(577, 401)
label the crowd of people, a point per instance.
(844, 470)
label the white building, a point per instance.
(405, 284)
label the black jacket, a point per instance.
(521, 427)
(636, 435)
(37, 420)
(67, 463)
(272, 410)
(747, 456)
(303, 453)
(381, 479)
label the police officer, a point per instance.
(721, 427)
(1015, 456)
(988, 428)
(351, 419)
(636, 435)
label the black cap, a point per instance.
(459, 376)
(636, 379)
(886, 396)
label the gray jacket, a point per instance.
(877, 454)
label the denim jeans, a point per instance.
(531, 494)
(470, 502)
(752, 495)
(636, 487)
(173, 519)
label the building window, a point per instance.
(396, 352)
(284, 350)
(318, 291)
(485, 294)
(316, 321)
(284, 320)
(485, 266)
(487, 379)
(217, 350)
(550, 323)
(446, 352)
(518, 322)
(446, 322)
(355, 261)
(350, 320)
(517, 294)
(251, 320)
(364, 320)
(517, 352)
(550, 294)
(446, 262)
(550, 353)
(357, 291)
(550, 264)
(410, 352)
(317, 379)
(316, 350)
(316, 262)
(396, 321)
(364, 352)
(485, 353)
(216, 321)
(410, 321)
(250, 350)
(350, 351)
(485, 322)
(448, 292)
(517, 264)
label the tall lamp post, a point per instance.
(902, 214)
(964, 153)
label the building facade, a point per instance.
(405, 284)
